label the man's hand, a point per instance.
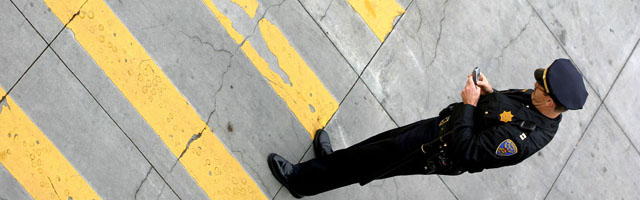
(484, 84)
(470, 94)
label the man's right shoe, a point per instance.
(282, 170)
(322, 144)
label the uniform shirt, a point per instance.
(490, 135)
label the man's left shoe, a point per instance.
(282, 170)
(322, 144)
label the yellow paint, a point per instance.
(225, 21)
(305, 89)
(378, 14)
(36, 162)
(249, 6)
(306, 96)
(149, 90)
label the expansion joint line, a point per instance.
(44, 50)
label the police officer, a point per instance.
(488, 129)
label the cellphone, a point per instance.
(475, 74)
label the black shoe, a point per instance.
(322, 144)
(282, 169)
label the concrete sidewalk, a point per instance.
(185, 99)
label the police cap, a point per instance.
(564, 83)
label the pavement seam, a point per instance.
(85, 87)
(327, 36)
(609, 91)
(563, 48)
(363, 82)
(590, 85)
(574, 149)
(620, 72)
(114, 121)
(621, 129)
(41, 53)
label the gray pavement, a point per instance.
(417, 70)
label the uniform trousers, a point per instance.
(359, 162)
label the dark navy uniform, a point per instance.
(503, 129)
(487, 136)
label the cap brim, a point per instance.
(538, 74)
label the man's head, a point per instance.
(559, 87)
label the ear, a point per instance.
(549, 102)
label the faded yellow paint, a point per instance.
(149, 90)
(36, 162)
(306, 90)
(378, 14)
(249, 6)
(225, 21)
(306, 96)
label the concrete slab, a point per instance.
(80, 129)
(424, 65)
(359, 118)
(347, 29)
(598, 36)
(418, 74)
(45, 22)
(21, 45)
(11, 188)
(623, 99)
(183, 50)
(224, 87)
(127, 117)
(604, 165)
(149, 188)
(317, 51)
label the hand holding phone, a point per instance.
(475, 74)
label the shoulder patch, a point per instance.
(507, 148)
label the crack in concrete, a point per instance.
(54, 187)
(197, 38)
(421, 17)
(397, 188)
(444, 16)
(238, 47)
(193, 138)
(223, 76)
(253, 31)
(3, 104)
(517, 36)
(135, 195)
(325, 11)
(161, 191)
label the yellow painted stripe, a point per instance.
(149, 90)
(249, 6)
(34, 161)
(378, 14)
(306, 96)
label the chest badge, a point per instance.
(507, 148)
(506, 116)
